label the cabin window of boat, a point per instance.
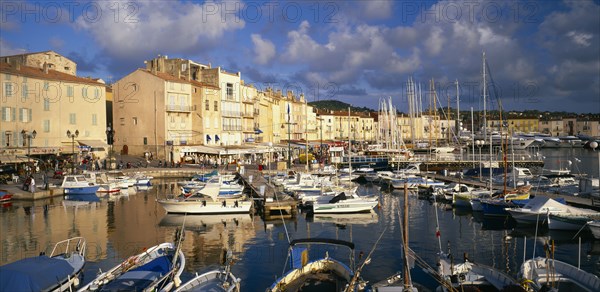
(70, 179)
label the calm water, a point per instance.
(120, 227)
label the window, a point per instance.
(46, 104)
(207, 105)
(25, 115)
(135, 120)
(229, 90)
(8, 89)
(69, 90)
(94, 119)
(145, 140)
(46, 126)
(24, 91)
(84, 92)
(96, 93)
(72, 118)
(6, 114)
(216, 105)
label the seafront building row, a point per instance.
(176, 107)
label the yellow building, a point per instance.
(50, 100)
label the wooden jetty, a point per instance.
(271, 201)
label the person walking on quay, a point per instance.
(32, 185)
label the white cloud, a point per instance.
(7, 49)
(375, 9)
(582, 39)
(435, 41)
(160, 26)
(264, 50)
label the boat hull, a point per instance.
(200, 207)
(80, 190)
(344, 207)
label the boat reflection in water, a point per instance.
(80, 200)
(204, 222)
(344, 219)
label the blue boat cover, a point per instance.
(34, 274)
(141, 277)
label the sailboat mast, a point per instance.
(457, 127)
(349, 147)
(484, 108)
(306, 130)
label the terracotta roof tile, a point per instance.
(51, 75)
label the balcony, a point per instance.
(248, 115)
(234, 114)
(232, 128)
(248, 130)
(180, 108)
(248, 100)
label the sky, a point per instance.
(542, 55)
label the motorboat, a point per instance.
(345, 203)
(320, 273)
(61, 271)
(534, 212)
(220, 279)
(466, 275)
(5, 196)
(544, 273)
(99, 178)
(78, 184)
(205, 201)
(154, 269)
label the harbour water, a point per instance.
(118, 227)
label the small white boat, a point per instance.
(343, 203)
(155, 269)
(101, 179)
(77, 185)
(473, 275)
(546, 272)
(60, 271)
(216, 280)
(570, 221)
(205, 201)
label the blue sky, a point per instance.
(542, 54)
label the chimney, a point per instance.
(45, 68)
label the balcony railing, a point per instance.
(248, 115)
(180, 108)
(232, 128)
(231, 114)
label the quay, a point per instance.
(578, 201)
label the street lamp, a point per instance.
(269, 159)
(27, 137)
(73, 136)
(110, 133)
(479, 144)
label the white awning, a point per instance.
(8, 158)
(93, 143)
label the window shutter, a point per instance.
(21, 114)
(29, 115)
(4, 110)
(13, 114)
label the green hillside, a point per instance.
(336, 105)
